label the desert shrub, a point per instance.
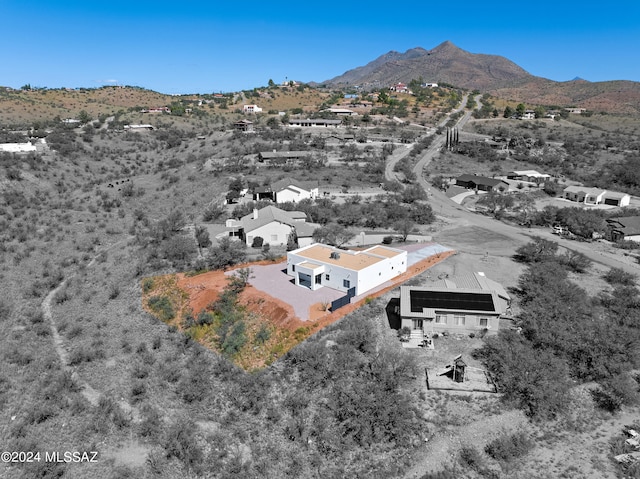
(508, 447)
(137, 391)
(234, 339)
(180, 441)
(619, 276)
(576, 261)
(257, 242)
(162, 306)
(147, 285)
(204, 318)
(616, 391)
(537, 251)
(470, 457)
(151, 423)
(226, 253)
(263, 334)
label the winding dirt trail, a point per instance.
(88, 392)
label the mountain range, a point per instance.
(491, 74)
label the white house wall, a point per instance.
(269, 231)
(381, 272)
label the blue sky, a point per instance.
(195, 46)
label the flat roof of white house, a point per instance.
(354, 260)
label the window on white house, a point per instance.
(326, 277)
(293, 267)
(346, 283)
(483, 322)
(441, 318)
(458, 319)
(274, 238)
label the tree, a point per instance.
(538, 250)
(84, 117)
(202, 237)
(404, 227)
(226, 253)
(271, 83)
(508, 112)
(520, 109)
(333, 234)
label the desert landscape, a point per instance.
(372, 276)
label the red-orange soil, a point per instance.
(205, 288)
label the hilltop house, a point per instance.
(468, 303)
(481, 183)
(624, 229)
(319, 265)
(251, 109)
(273, 225)
(243, 125)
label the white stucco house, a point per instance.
(273, 225)
(584, 194)
(319, 265)
(293, 190)
(251, 109)
(17, 147)
(595, 196)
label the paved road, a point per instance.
(443, 206)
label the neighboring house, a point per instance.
(293, 190)
(342, 111)
(262, 193)
(315, 122)
(481, 183)
(273, 225)
(466, 304)
(576, 111)
(243, 125)
(429, 85)
(529, 115)
(17, 147)
(320, 265)
(584, 194)
(145, 126)
(400, 88)
(251, 109)
(624, 229)
(531, 176)
(614, 198)
(282, 157)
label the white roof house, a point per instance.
(17, 147)
(319, 265)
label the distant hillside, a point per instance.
(492, 74)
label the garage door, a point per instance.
(611, 201)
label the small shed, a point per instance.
(459, 369)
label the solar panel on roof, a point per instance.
(450, 300)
